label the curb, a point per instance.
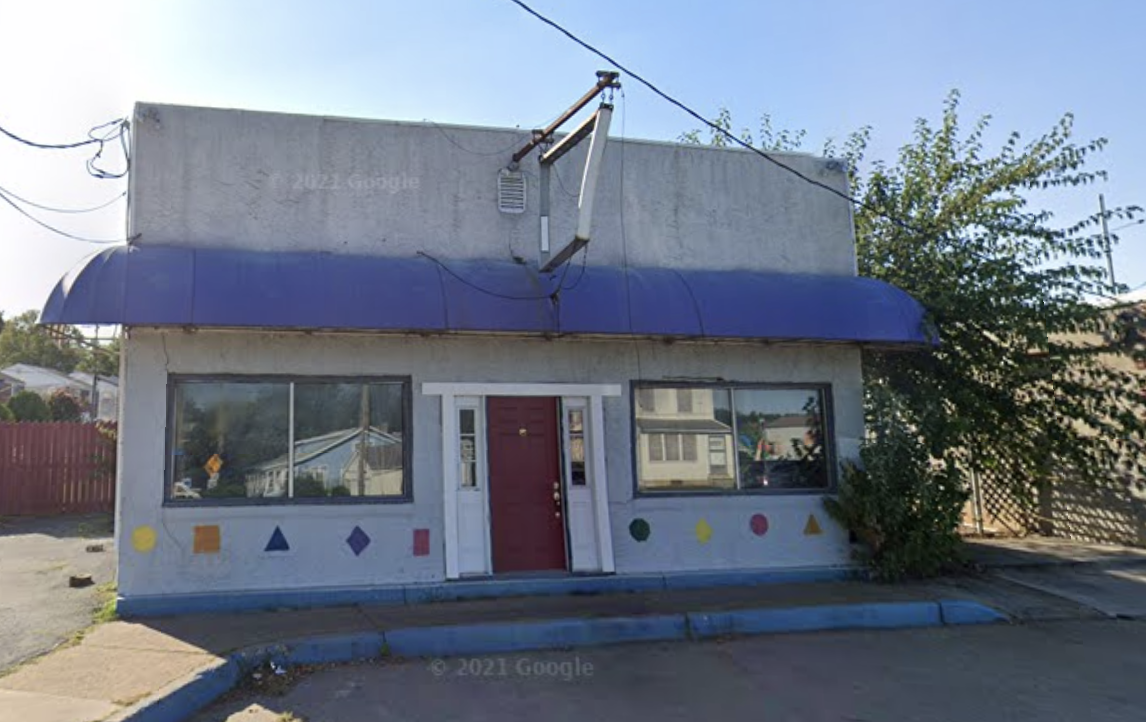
(418, 593)
(183, 698)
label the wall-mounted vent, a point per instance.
(511, 191)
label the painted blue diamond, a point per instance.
(358, 541)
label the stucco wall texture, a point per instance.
(319, 555)
(267, 181)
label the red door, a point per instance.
(527, 524)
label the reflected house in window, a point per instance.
(683, 441)
(335, 465)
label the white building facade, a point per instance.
(344, 376)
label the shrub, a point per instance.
(308, 486)
(6, 413)
(903, 510)
(27, 406)
(64, 406)
(340, 490)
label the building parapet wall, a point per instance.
(265, 181)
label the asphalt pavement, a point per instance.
(1046, 672)
(38, 610)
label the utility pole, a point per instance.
(1106, 238)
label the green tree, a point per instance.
(102, 360)
(23, 341)
(64, 406)
(6, 414)
(1017, 386)
(27, 406)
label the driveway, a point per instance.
(38, 610)
(1045, 672)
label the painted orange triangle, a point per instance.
(812, 528)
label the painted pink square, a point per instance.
(421, 542)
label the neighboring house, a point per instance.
(296, 279)
(41, 381)
(102, 394)
(336, 461)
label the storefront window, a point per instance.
(731, 438)
(232, 439)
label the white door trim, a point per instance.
(451, 461)
(511, 389)
(596, 436)
(450, 483)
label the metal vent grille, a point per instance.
(510, 191)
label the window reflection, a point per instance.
(226, 432)
(720, 438)
(231, 440)
(677, 429)
(576, 424)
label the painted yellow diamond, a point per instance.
(703, 531)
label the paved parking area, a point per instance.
(1055, 671)
(37, 608)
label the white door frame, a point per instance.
(451, 461)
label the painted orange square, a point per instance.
(207, 539)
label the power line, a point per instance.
(52, 209)
(700, 118)
(119, 129)
(496, 294)
(53, 229)
(733, 137)
(90, 140)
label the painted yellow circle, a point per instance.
(703, 531)
(143, 539)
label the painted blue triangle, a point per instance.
(278, 542)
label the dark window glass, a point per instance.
(781, 439)
(576, 422)
(232, 440)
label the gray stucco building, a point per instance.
(345, 377)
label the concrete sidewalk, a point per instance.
(120, 667)
(1039, 551)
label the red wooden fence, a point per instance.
(56, 468)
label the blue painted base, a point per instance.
(168, 604)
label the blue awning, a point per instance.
(168, 286)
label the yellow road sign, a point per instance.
(213, 464)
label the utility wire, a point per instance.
(53, 229)
(733, 137)
(496, 294)
(119, 129)
(52, 209)
(90, 140)
(700, 118)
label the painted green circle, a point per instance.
(639, 529)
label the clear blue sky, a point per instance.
(827, 66)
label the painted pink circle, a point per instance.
(759, 524)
